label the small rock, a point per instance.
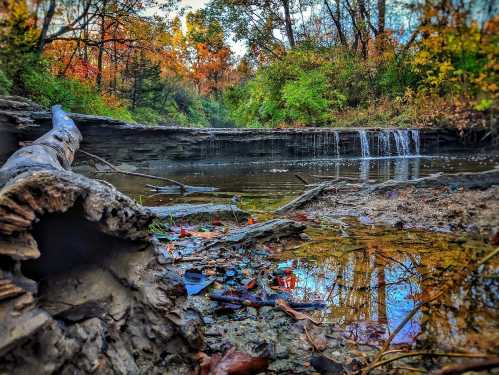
(326, 366)
(494, 236)
(265, 310)
(305, 237)
(252, 311)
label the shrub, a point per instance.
(46, 89)
(5, 84)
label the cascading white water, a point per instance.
(384, 143)
(416, 140)
(364, 144)
(337, 143)
(407, 142)
(403, 137)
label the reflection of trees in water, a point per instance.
(380, 283)
(466, 318)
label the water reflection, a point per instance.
(262, 179)
(372, 283)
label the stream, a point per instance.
(370, 276)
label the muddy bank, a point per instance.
(450, 208)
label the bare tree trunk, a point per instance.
(337, 21)
(46, 24)
(288, 23)
(381, 16)
(100, 53)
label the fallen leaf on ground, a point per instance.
(283, 305)
(232, 363)
(169, 247)
(251, 284)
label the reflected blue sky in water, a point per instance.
(352, 298)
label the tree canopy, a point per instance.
(305, 62)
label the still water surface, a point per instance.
(277, 178)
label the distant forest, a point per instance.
(297, 63)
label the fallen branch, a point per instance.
(468, 180)
(304, 198)
(260, 303)
(117, 170)
(199, 212)
(187, 189)
(301, 179)
(264, 232)
(483, 365)
(431, 354)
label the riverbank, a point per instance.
(369, 276)
(451, 209)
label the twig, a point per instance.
(486, 364)
(310, 340)
(488, 257)
(433, 354)
(408, 368)
(376, 361)
(117, 170)
(186, 259)
(301, 179)
(399, 328)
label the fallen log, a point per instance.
(306, 197)
(199, 212)
(89, 246)
(266, 231)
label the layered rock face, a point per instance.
(149, 146)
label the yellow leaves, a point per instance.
(422, 58)
(445, 68)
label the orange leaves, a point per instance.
(232, 363)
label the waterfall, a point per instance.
(384, 143)
(337, 143)
(402, 142)
(416, 140)
(364, 144)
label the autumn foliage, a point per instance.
(317, 63)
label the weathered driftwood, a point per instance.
(264, 232)
(105, 302)
(306, 197)
(36, 182)
(467, 180)
(199, 212)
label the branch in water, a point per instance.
(117, 170)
